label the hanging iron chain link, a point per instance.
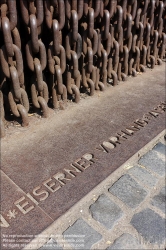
(52, 50)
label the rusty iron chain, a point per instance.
(54, 50)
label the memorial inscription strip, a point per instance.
(40, 193)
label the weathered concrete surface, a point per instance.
(30, 156)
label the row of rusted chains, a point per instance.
(73, 46)
(11, 63)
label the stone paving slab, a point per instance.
(126, 241)
(106, 211)
(160, 199)
(161, 148)
(129, 191)
(81, 235)
(143, 176)
(150, 161)
(150, 225)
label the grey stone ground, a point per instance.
(126, 211)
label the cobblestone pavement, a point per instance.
(126, 211)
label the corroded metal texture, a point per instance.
(53, 50)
